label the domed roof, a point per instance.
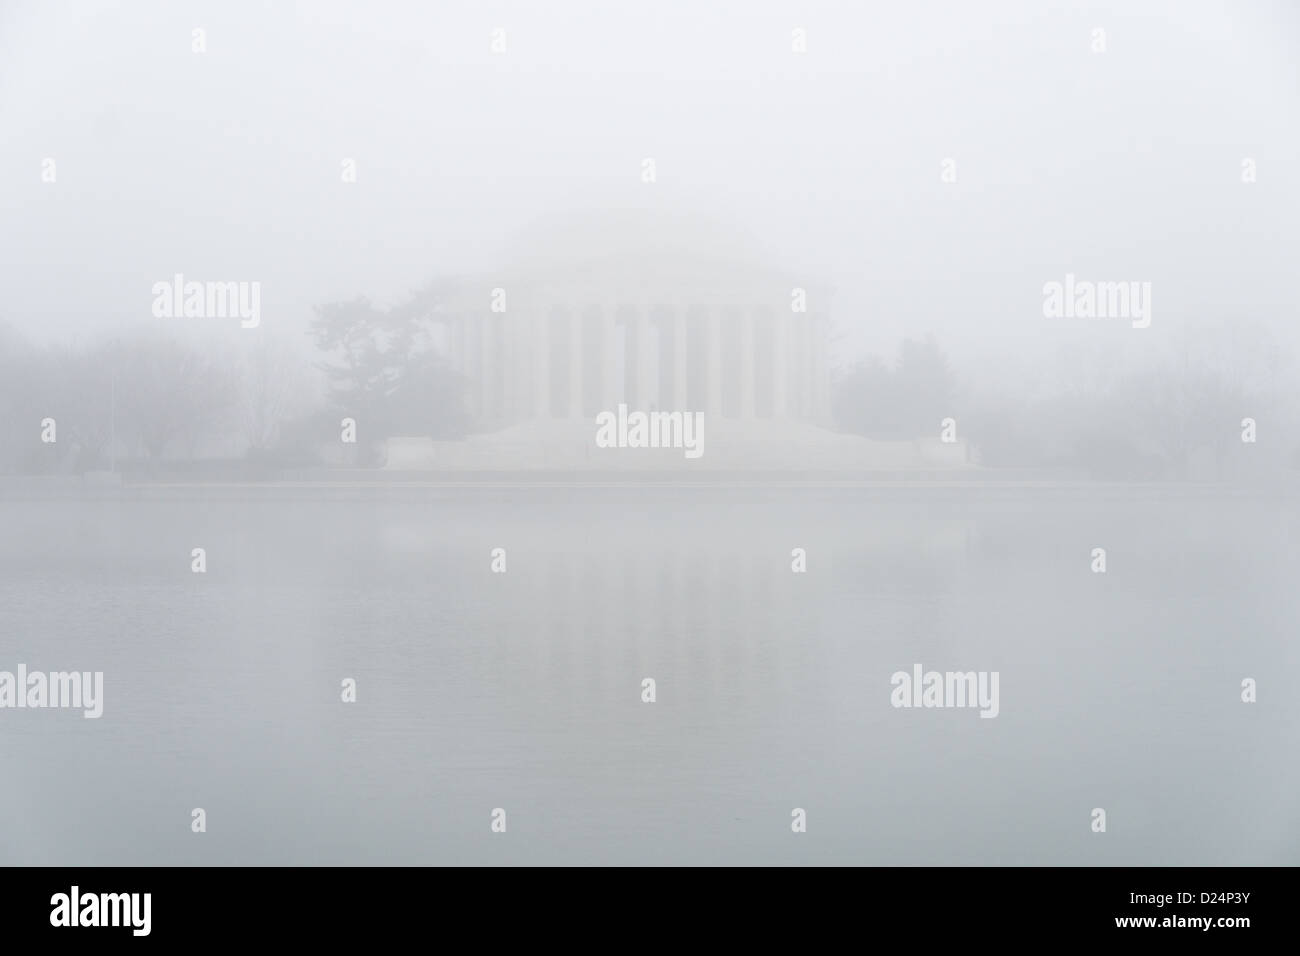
(649, 239)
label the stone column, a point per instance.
(804, 326)
(793, 352)
(681, 367)
(778, 365)
(746, 366)
(473, 361)
(506, 366)
(714, 365)
(820, 373)
(814, 413)
(610, 396)
(541, 343)
(485, 364)
(575, 364)
(455, 348)
(645, 364)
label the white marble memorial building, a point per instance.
(552, 355)
(653, 311)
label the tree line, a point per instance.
(154, 395)
(136, 401)
(1217, 404)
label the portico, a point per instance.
(571, 361)
(651, 310)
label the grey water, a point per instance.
(522, 690)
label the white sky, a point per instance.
(1114, 166)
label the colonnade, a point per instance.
(572, 363)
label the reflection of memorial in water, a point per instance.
(699, 592)
(697, 621)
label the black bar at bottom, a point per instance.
(337, 905)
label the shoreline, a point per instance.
(379, 483)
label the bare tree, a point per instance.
(270, 377)
(167, 391)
